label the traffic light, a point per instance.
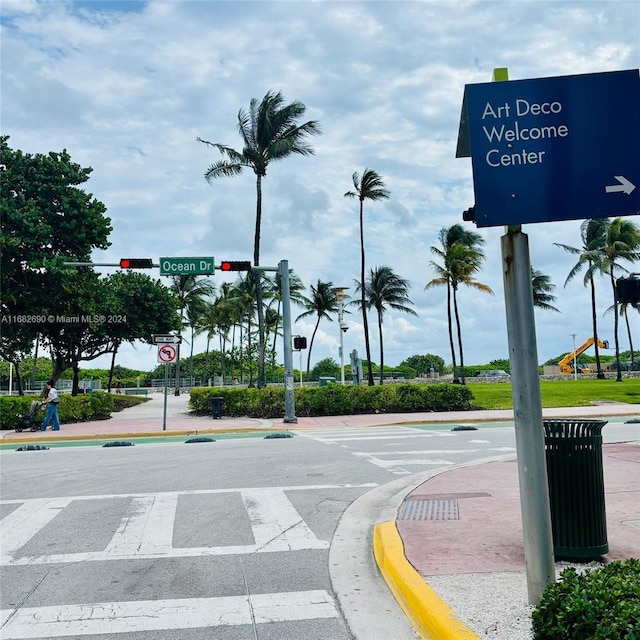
(469, 215)
(628, 290)
(136, 263)
(237, 265)
(299, 343)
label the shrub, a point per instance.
(88, 406)
(599, 604)
(335, 399)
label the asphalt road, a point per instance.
(245, 536)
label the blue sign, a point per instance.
(562, 148)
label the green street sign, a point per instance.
(186, 266)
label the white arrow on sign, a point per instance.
(625, 186)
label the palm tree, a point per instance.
(461, 257)
(542, 291)
(383, 287)
(243, 299)
(593, 234)
(191, 293)
(269, 133)
(296, 287)
(465, 261)
(369, 187)
(322, 302)
(622, 243)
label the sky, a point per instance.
(127, 87)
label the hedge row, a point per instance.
(335, 399)
(88, 406)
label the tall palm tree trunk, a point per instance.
(450, 322)
(459, 331)
(626, 319)
(615, 324)
(365, 323)
(313, 336)
(599, 372)
(258, 282)
(381, 348)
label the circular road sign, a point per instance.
(167, 353)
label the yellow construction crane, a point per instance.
(566, 364)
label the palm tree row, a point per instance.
(605, 243)
(270, 131)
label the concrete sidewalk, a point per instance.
(478, 531)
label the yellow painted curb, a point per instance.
(428, 613)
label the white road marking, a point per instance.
(147, 527)
(361, 438)
(24, 522)
(276, 524)
(435, 451)
(146, 530)
(385, 464)
(158, 615)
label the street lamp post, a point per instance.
(575, 368)
(342, 327)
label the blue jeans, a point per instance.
(51, 416)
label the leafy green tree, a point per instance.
(327, 367)
(423, 364)
(622, 243)
(501, 363)
(74, 330)
(542, 292)
(593, 234)
(47, 219)
(384, 288)
(322, 303)
(270, 132)
(368, 187)
(139, 307)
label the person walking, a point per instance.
(51, 415)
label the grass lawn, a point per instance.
(559, 393)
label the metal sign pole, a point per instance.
(166, 385)
(527, 409)
(289, 402)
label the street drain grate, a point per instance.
(430, 510)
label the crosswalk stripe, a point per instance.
(25, 521)
(158, 615)
(146, 529)
(276, 523)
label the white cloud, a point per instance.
(127, 87)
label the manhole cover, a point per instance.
(430, 510)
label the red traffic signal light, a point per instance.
(136, 263)
(237, 265)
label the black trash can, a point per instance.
(573, 451)
(216, 407)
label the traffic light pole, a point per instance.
(289, 401)
(289, 405)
